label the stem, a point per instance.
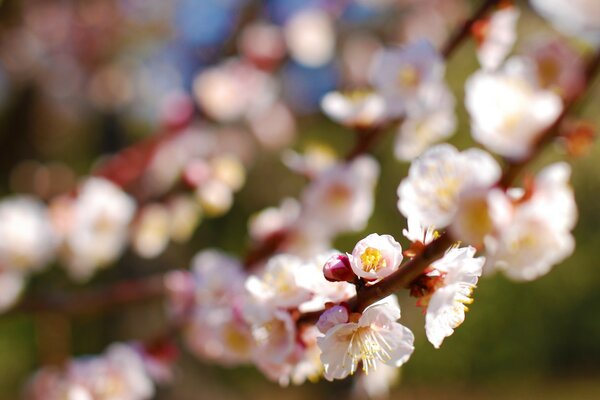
(407, 273)
(465, 30)
(515, 168)
(96, 299)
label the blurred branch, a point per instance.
(94, 300)
(465, 30)
(515, 168)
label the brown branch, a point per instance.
(94, 300)
(516, 167)
(465, 30)
(406, 274)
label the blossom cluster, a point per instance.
(123, 372)
(296, 308)
(89, 229)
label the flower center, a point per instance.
(372, 260)
(408, 76)
(369, 346)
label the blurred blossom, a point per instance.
(229, 170)
(185, 215)
(118, 374)
(101, 214)
(263, 44)
(433, 20)
(359, 109)
(177, 110)
(430, 119)
(174, 155)
(508, 112)
(315, 159)
(574, 17)
(274, 127)
(272, 220)
(357, 52)
(376, 384)
(496, 36)
(341, 198)
(232, 90)
(310, 38)
(557, 65)
(399, 73)
(215, 197)
(151, 231)
(27, 239)
(280, 284)
(536, 234)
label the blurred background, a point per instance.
(80, 80)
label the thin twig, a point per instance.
(95, 300)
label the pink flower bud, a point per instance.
(337, 268)
(332, 317)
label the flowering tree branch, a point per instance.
(411, 270)
(465, 30)
(515, 168)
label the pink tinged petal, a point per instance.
(334, 316)
(399, 341)
(444, 314)
(335, 356)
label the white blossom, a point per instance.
(429, 119)
(455, 276)
(310, 37)
(498, 37)
(398, 73)
(376, 257)
(356, 109)
(574, 17)
(340, 199)
(98, 233)
(220, 334)
(418, 233)
(280, 283)
(374, 338)
(218, 277)
(508, 113)
(27, 239)
(436, 180)
(119, 374)
(537, 236)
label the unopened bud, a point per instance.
(337, 269)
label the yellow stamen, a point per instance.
(372, 260)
